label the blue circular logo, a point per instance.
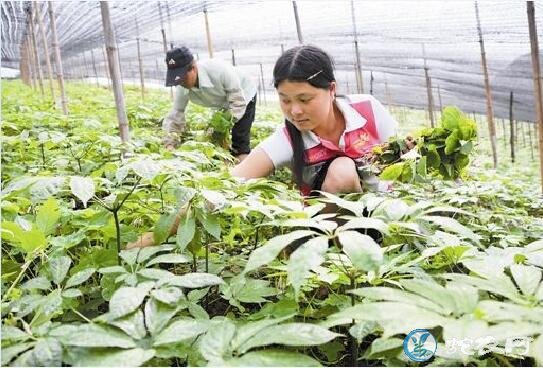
(419, 345)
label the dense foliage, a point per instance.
(255, 275)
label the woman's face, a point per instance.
(305, 106)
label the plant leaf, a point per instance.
(59, 267)
(362, 250)
(269, 251)
(195, 280)
(47, 216)
(185, 232)
(181, 330)
(291, 334)
(80, 277)
(273, 358)
(126, 299)
(304, 259)
(169, 258)
(83, 188)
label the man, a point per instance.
(211, 83)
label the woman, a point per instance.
(325, 139)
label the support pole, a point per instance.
(522, 123)
(164, 42)
(113, 61)
(106, 66)
(140, 61)
(359, 77)
(31, 65)
(388, 97)
(263, 85)
(46, 52)
(371, 82)
(512, 128)
(282, 49)
(428, 89)
(169, 25)
(24, 64)
(208, 35)
(439, 96)
(35, 48)
(233, 58)
(58, 60)
(85, 66)
(118, 52)
(530, 139)
(297, 19)
(489, 108)
(538, 93)
(94, 70)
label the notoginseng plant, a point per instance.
(443, 150)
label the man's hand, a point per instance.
(170, 147)
(144, 240)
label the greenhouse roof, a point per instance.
(390, 36)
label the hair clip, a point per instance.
(314, 75)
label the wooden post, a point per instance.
(106, 66)
(259, 92)
(31, 65)
(297, 19)
(157, 71)
(233, 58)
(371, 82)
(169, 24)
(85, 66)
(58, 60)
(512, 134)
(130, 73)
(388, 97)
(112, 56)
(24, 64)
(164, 43)
(439, 95)
(530, 139)
(94, 70)
(538, 93)
(522, 123)
(282, 49)
(208, 34)
(504, 134)
(46, 51)
(263, 85)
(34, 46)
(118, 52)
(489, 108)
(428, 89)
(359, 78)
(140, 61)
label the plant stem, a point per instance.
(19, 276)
(193, 262)
(207, 256)
(118, 230)
(42, 153)
(82, 316)
(352, 339)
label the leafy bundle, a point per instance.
(443, 150)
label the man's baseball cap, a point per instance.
(179, 61)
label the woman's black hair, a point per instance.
(302, 64)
